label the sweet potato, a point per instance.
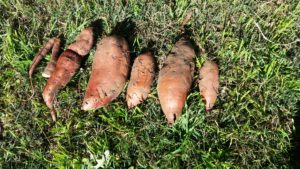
(67, 65)
(53, 43)
(142, 76)
(209, 83)
(83, 43)
(175, 79)
(110, 71)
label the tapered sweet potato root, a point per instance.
(142, 76)
(110, 71)
(54, 44)
(209, 83)
(175, 79)
(52, 64)
(67, 65)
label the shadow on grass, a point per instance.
(97, 27)
(126, 29)
(295, 150)
(1, 131)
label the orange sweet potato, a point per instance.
(142, 76)
(84, 42)
(110, 71)
(67, 65)
(175, 79)
(209, 83)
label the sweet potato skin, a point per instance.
(209, 83)
(141, 78)
(175, 79)
(110, 71)
(83, 42)
(67, 65)
(53, 43)
(52, 64)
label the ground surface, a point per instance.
(253, 124)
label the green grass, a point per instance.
(251, 125)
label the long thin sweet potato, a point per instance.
(142, 76)
(67, 65)
(52, 63)
(53, 43)
(110, 71)
(209, 83)
(175, 79)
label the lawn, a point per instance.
(254, 124)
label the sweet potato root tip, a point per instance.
(142, 76)
(110, 71)
(136, 98)
(84, 42)
(53, 115)
(48, 97)
(88, 104)
(209, 83)
(172, 97)
(175, 79)
(92, 102)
